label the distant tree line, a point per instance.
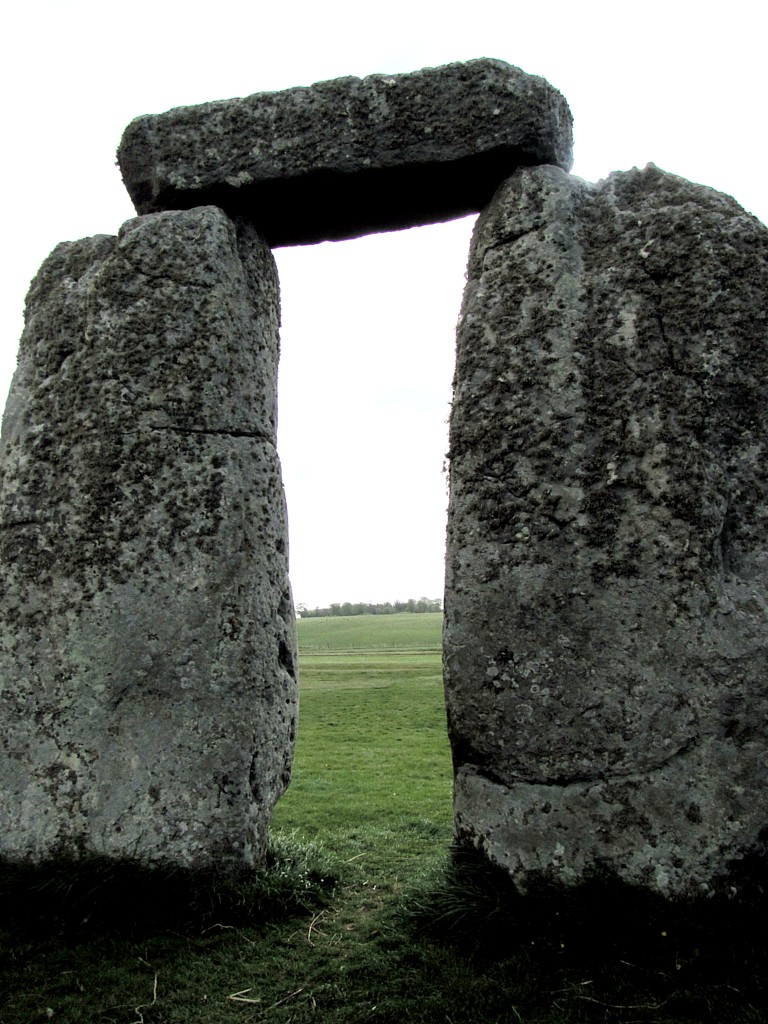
(424, 604)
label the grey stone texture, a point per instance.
(147, 648)
(350, 156)
(606, 634)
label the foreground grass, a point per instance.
(363, 915)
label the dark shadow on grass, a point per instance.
(78, 898)
(698, 959)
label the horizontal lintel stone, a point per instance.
(350, 156)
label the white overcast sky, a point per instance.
(367, 339)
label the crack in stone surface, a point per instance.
(255, 435)
(564, 781)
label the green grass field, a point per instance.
(372, 750)
(362, 915)
(392, 634)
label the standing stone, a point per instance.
(606, 616)
(350, 156)
(147, 646)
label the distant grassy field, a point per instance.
(394, 633)
(372, 746)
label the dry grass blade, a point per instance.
(141, 1006)
(312, 923)
(241, 997)
(285, 999)
(622, 1006)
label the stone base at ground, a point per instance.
(147, 665)
(606, 618)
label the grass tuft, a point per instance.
(696, 960)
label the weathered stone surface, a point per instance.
(606, 617)
(147, 683)
(350, 156)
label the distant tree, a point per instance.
(424, 604)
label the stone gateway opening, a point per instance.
(367, 355)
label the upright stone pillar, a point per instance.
(147, 645)
(606, 633)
